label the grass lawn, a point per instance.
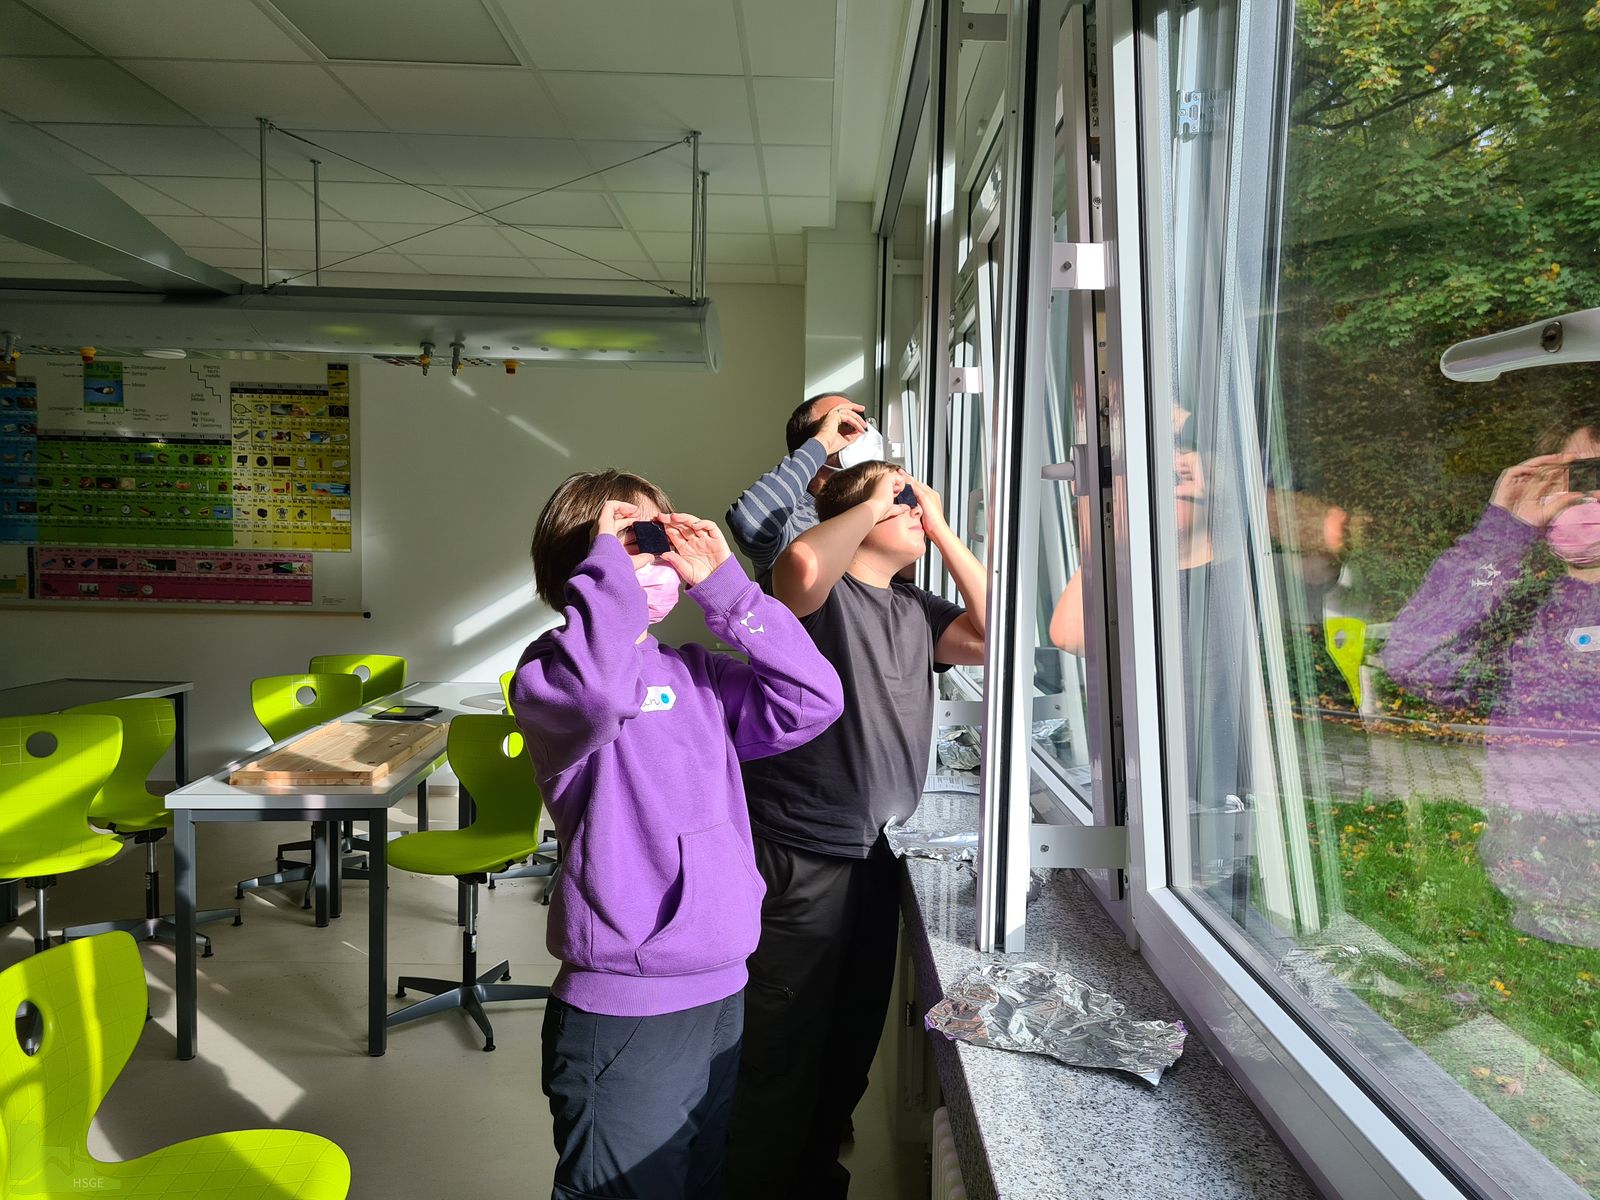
(1411, 872)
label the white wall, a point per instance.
(842, 307)
(452, 478)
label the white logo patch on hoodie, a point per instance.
(658, 698)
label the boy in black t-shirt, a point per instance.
(820, 979)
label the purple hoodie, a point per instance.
(637, 747)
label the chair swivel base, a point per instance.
(487, 988)
(156, 929)
(351, 866)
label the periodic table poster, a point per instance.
(152, 482)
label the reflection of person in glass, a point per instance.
(1509, 618)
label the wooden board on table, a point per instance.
(358, 753)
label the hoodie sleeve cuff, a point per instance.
(723, 589)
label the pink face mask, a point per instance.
(660, 583)
(1575, 535)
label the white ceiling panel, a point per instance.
(791, 250)
(552, 208)
(791, 214)
(724, 247)
(608, 244)
(23, 31)
(581, 269)
(338, 237)
(146, 199)
(527, 163)
(458, 239)
(660, 107)
(345, 157)
(146, 150)
(691, 37)
(739, 273)
(467, 264)
(21, 252)
(455, 31)
(389, 202)
(223, 198)
(75, 89)
(417, 99)
(201, 231)
(793, 276)
(53, 270)
(669, 212)
(796, 112)
(214, 29)
(790, 37)
(798, 170)
(290, 94)
(734, 170)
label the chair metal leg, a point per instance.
(41, 930)
(422, 805)
(8, 901)
(156, 929)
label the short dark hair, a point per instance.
(802, 426)
(850, 487)
(562, 536)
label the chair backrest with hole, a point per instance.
(380, 674)
(290, 704)
(488, 757)
(80, 1009)
(149, 726)
(51, 767)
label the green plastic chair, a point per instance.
(125, 806)
(80, 1010)
(505, 830)
(286, 705)
(505, 687)
(380, 674)
(51, 768)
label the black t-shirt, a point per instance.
(834, 794)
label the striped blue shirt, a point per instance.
(777, 508)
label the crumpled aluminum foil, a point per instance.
(943, 845)
(1039, 1010)
(957, 749)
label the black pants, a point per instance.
(814, 1011)
(641, 1103)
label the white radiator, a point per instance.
(947, 1183)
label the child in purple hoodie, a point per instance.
(637, 747)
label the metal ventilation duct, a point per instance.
(618, 331)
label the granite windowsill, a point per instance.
(1030, 1128)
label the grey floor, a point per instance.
(282, 1032)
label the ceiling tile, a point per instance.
(720, 247)
(791, 214)
(141, 150)
(435, 31)
(144, 198)
(609, 245)
(795, 112)
(792, 275)
(791, 250)
(25, 32)
(290, 94)
(55, 270)
(685, 36)
(733, 169)
(338, 237)
(669, 212)
(215, 29)
(737, 273)
(345, 157)
(790, 37)
(552, 208)
(72, 89)
(235, 197)
(458, 239)
(201, 231)
(21, 252)
(528, 163)
(577, 268)
(798, 170)
(506, 102)
(389, 202)
(467, 264)
(662, 107)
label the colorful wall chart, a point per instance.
(126, 462)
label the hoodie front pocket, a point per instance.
(718, 917)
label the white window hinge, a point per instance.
(983, 27)
(966, 381)
(1078, 267)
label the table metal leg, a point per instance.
(378, 933)
(180, 742)
(336, 874)
(187, 986)
(324, 851)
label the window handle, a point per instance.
(1573, 338)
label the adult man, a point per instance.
(781, 505)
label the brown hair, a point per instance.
(850, 487)
(566, 525)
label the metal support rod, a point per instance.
(704, 236)
(694, 213)
(316, 221)
(264, 125)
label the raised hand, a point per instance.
(698, 547)
(1535, 491)
(932, 507)
(882, 497)
(615, 516)
(842, 425)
